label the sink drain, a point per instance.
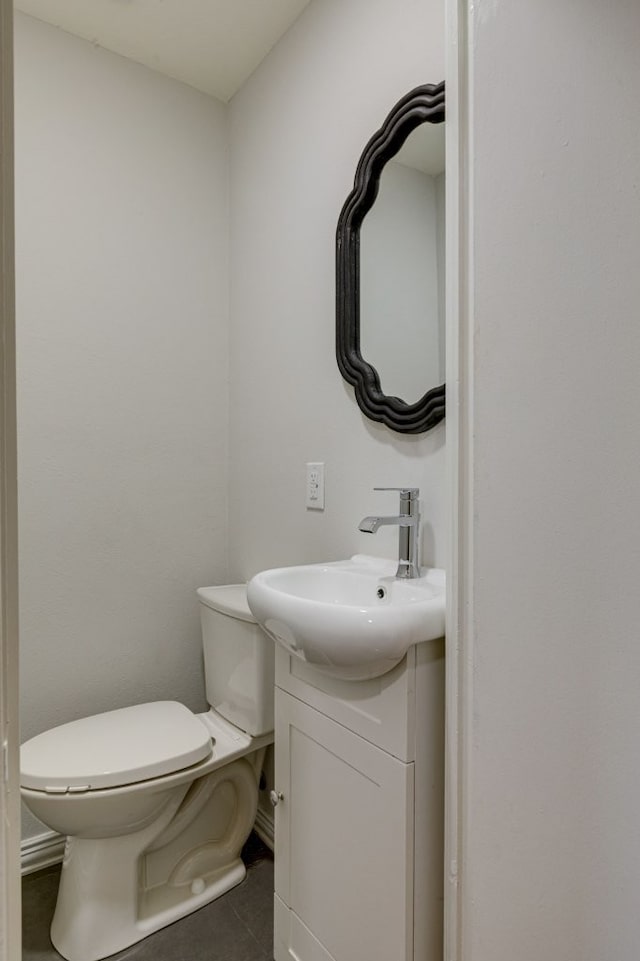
(381, 592)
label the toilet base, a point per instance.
(75, 936)
(116, 891)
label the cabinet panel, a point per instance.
(293, 939)
(344, 838)
(380, 709)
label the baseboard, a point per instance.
(264, 827)
(41, 852)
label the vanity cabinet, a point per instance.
(359, 821)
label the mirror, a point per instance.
(390, 269)
(402, 269)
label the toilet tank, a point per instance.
(238, 659)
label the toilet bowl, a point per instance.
(156, 801)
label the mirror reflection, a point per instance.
(402, 268)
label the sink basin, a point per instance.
(352, 619)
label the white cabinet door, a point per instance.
(344, 842)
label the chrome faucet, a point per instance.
(408, 522)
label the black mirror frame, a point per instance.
(424, 104)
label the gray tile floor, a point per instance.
(236, 927)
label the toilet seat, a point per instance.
(114, 749)
(98, 813)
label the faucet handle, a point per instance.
(409, 493)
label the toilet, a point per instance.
(156, 801)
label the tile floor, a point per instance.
(236, 927)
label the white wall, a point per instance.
(297, 130)
(122, 313)
(554, 831)
(122, 317)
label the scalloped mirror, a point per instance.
(390, 268)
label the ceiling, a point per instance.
(212, 45)
(424, 149)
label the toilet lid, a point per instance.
(228, 599)
(113, 749)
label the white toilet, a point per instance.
(157, 801)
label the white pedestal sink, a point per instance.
(353, 618)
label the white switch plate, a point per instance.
(315, 487)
